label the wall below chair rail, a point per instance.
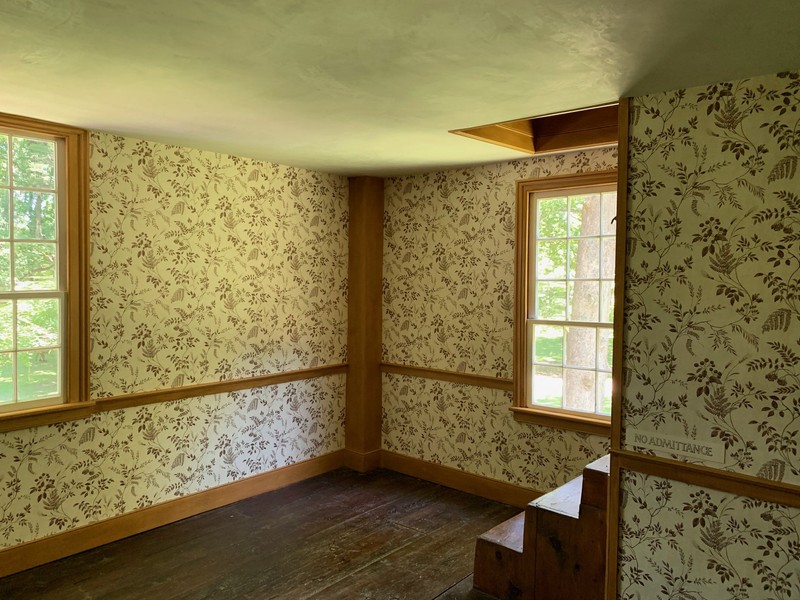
(203, 267)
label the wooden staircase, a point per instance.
(555, 550)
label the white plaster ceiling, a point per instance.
(366, 86)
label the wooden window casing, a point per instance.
(523, 410)
(73, 255)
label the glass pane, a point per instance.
(584, 215)
(604, 393)
(37, 374)
(551, 259)
(34, 163)
(34, 266)
(605, 349)
(551, 300)
(6, 378)
(581, 345)
(608, 258)
(34, 216)
(37, 323)
(584, 300)
(3, 160)
(6, 325)
(607, 301)
(584, 258)
(579, 390)
(548, 344)
(547, 386)
(551, 217)
(5, 215)
(608, 225)
(5, 266)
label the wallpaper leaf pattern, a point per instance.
(472, 429)
(684, 542)
(448, 302)
(62, 476)
(448, 261)
(206, 266)
(712, 298)
(203, 267)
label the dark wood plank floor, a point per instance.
(343, 535)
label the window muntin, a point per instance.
(32, 270)
(570, 300)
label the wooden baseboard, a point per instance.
(362, 461)
(478, 485)
(39, 552)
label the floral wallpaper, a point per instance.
(203, 267)
(62, 476)
(712, 295)
(448, 303)
(448, 261)
(472, 429)
(206, 266)
(684, 542)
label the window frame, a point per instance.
(551, 417)
(73, 142)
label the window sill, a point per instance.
(562, 419)
(45, 415)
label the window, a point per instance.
(565, 294)
(43, 292)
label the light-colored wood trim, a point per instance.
(69, 412)
(496, 383)
(612, 546)
(572, 130)
(31, 554)
(612, 521)
(570, 420)
(362, 461)
(619, 275)
(216, 387)
(500, 135)
(709, 477)
(478, 485)
(46, 415)
(364, 315)
(77, 224)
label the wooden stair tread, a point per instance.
(564, 500)
(601, 465)
(508, 534)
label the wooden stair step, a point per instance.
(595, 482)
(564, 500)
(508, 534)
(499, 569)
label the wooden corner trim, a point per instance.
(619, 272)
(486, 381)
(32, 554)
(478, 485)
(79, 410)
(362, 461)
(730, 482)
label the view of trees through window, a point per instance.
(30, 293)
(570, 331)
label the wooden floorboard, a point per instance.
(363, 536)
